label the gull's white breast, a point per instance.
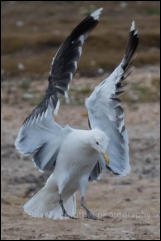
(75, 161)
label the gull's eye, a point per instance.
(97, 142)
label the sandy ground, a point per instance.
(128, 205)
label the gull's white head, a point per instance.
(99, 141)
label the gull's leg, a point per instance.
(89, 215)
(65, 214)
(83, 187)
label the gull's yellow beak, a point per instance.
(106, 158)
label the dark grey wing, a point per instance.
(40, 135)
(105, 111)
(64, 64)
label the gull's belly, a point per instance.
(78, 170)
(75, 161)
(70, 168)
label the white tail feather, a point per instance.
(45, 203)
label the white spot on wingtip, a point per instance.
(68, 87)
(132, 26)
(80, 51)
(75, 65)
(81, 38)
(70, 76)
(96, 13)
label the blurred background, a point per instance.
(31, 33)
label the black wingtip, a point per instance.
(87, 24)
(131, 46)
(110, 169)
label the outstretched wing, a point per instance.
(42, 137)
(105, 111)
(64, 64)
(40, 134)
